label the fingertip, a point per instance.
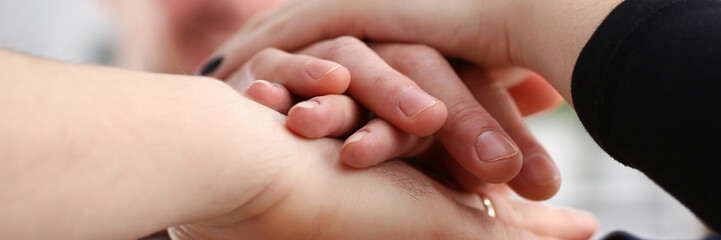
(534, 95)
(500, 158)
(302, 119)
(327, 77)
(502, 170)
(462, 177)
(587, 223)
(474, 152)
(354, 152)
(428, 121)
(270, 95)
(336, 80)
(210, 66)
(539, 178)
(376, 142)
(259, 87)
(219, 66)
(535, 193)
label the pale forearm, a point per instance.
(90, 152)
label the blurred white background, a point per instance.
(621, 198)
(68, 30)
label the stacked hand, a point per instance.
(489, 141)
(321, 197)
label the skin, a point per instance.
(328, 118)
(492, 167)
(84, 146)
(172, 36)
(407, 182)
(85, 132)
(491, 34)
(78, 152)
(542, 36)
(545, 179)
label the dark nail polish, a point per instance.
(211, 66)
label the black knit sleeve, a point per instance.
(647, 87)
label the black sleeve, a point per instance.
(647, 87)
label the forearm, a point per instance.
(91, 152)
(549, 35)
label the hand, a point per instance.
(314, 195)
(544, 36)
(458, 29)
(468, 120)
(535, 218)
(324, 199)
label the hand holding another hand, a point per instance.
(544, 36)
(318, 196)
(483, 158)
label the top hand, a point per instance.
(458, 29)
(544, 36)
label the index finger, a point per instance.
(395, 98)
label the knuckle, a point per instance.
(342, 101)
(347, 41)
(419, 57)
(344, 45)
(389, 83)
(423, 50)
(466, 112)
(266, 53)
(262, 57)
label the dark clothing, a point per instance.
(619, 235)
(647, 87)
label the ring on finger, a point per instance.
(490, 210)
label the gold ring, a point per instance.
(489, 207)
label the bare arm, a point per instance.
(91, 152)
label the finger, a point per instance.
(494, 228)
(378, 141)
(383, 90)
(329, 115)
(302, 75)
(539, 178)
(271, 95)
(544, 220)
(465, 179)
(535, 94)
(416, 207)
(471, 135)
(510, 76)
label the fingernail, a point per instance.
(538, 169)
(413, 101)
(356, 137)
(306, 104)
(209, 67)
(318, 69)
(264, 82)
(492, 146)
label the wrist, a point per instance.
(236, 152)
(549, 35)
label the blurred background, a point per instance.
(621, 198)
